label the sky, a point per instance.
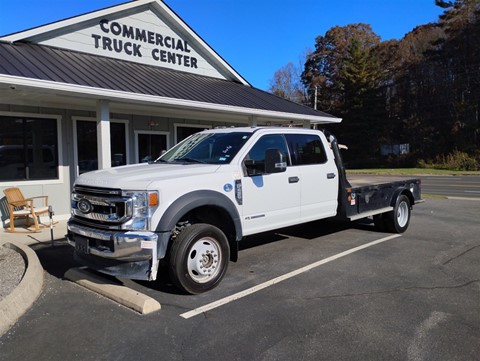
(256, 37)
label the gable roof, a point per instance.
(157, 9)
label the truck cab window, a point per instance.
(257, 153)
(306, 149)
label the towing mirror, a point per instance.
(274, 163)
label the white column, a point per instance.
(103, 134)
(252, 120)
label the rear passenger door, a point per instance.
(318, 175)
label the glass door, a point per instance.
(150, 145)
(86, 144)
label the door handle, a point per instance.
(330, 175)
(293, 179)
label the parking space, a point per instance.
(270, 259)
(412, 297)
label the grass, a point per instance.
(411, 171)
(433, 196)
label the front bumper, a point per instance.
(126, 245)
(115, 252)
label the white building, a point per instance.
(112, 87)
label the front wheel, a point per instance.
(199, 258)
(398, 220)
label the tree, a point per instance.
(415, 89)
(360, 75)
(325, 68)
(423, 89)
(345, 69)
(461, 55)
(286, 84)
(363, 101)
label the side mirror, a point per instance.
(254, 167)
(274, 161)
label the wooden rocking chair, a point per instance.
(21, 207)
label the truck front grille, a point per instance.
(102, 207)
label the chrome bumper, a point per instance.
(125, 246)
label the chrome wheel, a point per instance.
(403, 214)
(397, 220)
(203, 260)
(198, 258)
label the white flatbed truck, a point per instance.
(191, 207)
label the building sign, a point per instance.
(127, 39)
(141, 37)
(394, 149)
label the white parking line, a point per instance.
(279, 279)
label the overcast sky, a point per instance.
(256, 37)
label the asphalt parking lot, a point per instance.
(413, 297)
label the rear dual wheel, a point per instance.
(199, 258)
(396, 221)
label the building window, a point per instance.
(28, 148)
(118, 146)
(184, 131)
(87, 145)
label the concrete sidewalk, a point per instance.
(25, 293)
(28, 239)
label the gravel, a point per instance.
(12, 268)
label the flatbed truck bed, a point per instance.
(362, 180)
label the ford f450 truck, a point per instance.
(191, 207)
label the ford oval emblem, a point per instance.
(84, 206)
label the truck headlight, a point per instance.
(144, 205)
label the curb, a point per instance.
(13, 306)
(123, 295)
(475, 199)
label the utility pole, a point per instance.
(315, 100)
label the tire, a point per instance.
(199, 258)
(398, 220)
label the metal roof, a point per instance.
(40, 62)
(59, 28)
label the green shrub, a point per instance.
(421, 163)
(454, 161)
(457, 161)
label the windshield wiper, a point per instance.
(190, 160)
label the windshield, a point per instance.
(209, 148)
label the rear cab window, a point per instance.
(306, 149)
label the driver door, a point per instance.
(270, 201)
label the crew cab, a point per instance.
(191, 207)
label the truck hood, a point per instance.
(140, 176)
